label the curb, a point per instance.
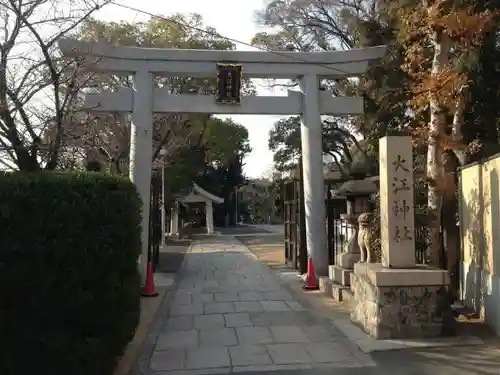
(141, 365)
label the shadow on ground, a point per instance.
(458, 360)
(465, 360)
(242, 229)
(172, 255)
(270, 249)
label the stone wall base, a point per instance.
(400, 303)
(339, 275)
(347, 260)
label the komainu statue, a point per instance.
(364, 237)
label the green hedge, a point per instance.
(69, 284)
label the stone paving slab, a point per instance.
(231, 313)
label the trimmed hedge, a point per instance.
(69, 284)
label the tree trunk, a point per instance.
(452, 159)
(451, 235)
(458, 123)
(437, 128)
(434, 202)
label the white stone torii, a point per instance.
(143, 99)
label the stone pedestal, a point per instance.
(400, 303)
(340, 275)
(340, 281)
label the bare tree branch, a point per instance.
(37, 87)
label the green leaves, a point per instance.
(284, 141)
(215, 163)
(225, 140)
(69, 247)
(177, 134)
(305, 25)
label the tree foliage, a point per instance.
(284, 141)
(482, 117)
(176, 132)
(442, 42)
(308, 25)
(36, 132)
(216, 164)
(226, 144)
(196, 147)
(38, 88)
(436, 83)
(225, 140)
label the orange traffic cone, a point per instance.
(311, 281)
(149, 286)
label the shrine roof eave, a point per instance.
(357, 188)
(203, 193)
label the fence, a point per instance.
(336, 238)
(295, 233)
(155, 222)
(421, 244)
(336, 228)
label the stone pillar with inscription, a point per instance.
(398, 298)
(397, 217)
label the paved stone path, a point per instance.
(231, 313)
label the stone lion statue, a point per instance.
(364, 237)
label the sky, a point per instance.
(236, 22)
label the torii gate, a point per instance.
(143, 99)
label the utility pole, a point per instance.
(163, 200)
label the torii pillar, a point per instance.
(141, 153)
(312, 168)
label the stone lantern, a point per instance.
(357, 194)
(295, 174)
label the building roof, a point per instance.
(197, 190)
